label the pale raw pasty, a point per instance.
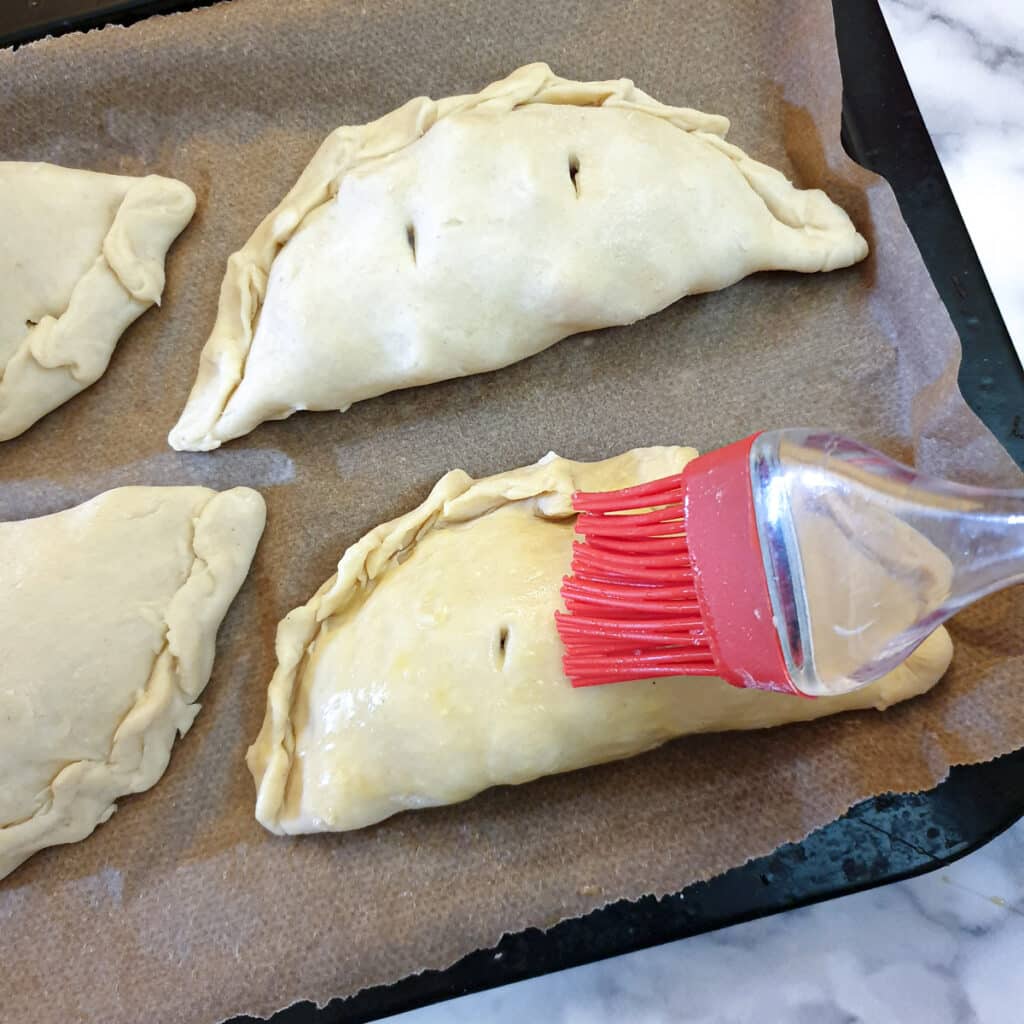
(456, 236)
(81, 257)
(429, 667)
(108, 616)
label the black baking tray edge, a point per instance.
(884, 839)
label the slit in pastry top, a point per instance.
(429, 667)
(458, 236)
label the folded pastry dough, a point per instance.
(456, 236)
(81, 257)
(108, 616)
(429, 667)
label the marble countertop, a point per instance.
(965, 62)
(944, 948)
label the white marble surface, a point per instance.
(945, 948)
(965, 62)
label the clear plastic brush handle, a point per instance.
(865, 557)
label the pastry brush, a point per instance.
(795, 560)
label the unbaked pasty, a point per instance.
(81, 257)
(457, 236)
(429, 667)
(108, 616)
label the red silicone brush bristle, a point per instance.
(631, 602)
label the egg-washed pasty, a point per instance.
(81, 257)
(108, 618)
(456, 236)
(429, 667)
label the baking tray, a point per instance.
(883, 839)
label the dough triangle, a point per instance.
(457, 236)
(108, 619)
(81, 258)
(429, 667)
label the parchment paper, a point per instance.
(182, 908)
